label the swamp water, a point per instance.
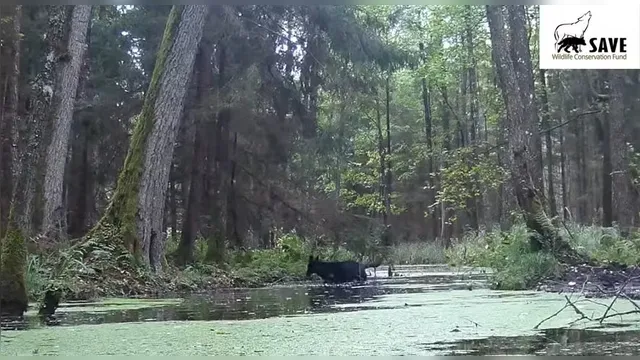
(427, 310)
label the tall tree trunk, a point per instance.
(621, 180)
(57, 150)
(431, 198)
(81, 166)
(191, 223)
(563, 150)
(37, 127)
(382, 172)
(9, 118)
(389, 175)
(580, 173)
(522, 146)
(607, 185)
(138, 203)
(546, 124)
(477, 212)
(13, 252)
(233, 235)
(217, 172)
(474, 204)
(521, 59)
(563, 177)
(446, 212)
(173, 202)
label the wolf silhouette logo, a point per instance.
(571, 35)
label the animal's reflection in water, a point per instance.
(322, 296)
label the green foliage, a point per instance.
(417, 253)
(56, 271)
(604, 245)
(36, 278)
(292, 247)
(13, 259)
(509, 254)
(516, 267)
(286, 262)
(470, 172)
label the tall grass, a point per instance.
(417, 253)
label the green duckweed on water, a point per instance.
(397, 324)
(108, 304)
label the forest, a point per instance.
(155, 149)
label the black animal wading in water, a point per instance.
(338, 271)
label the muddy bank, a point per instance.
(596, 281)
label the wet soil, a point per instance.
(596, 282)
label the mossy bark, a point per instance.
(13, 260)
(135, 212)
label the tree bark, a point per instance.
(546, 124)
(474, 205)
(521, 58)
(43, 91)
(137, 206)
(80, 170)
(431, 198)
(446, 213)
(382, 164)
(389, 175)
(607, 170)
(53, 214)
(191, 223)
(621, 180)
(522, 146)
(563, 150)
(217, 171)
(13, 252)
(9, 119)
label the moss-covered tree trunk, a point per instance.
(13, 252)
(137, 208)
(523, 146)
(69, 75)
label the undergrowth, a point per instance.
(516, 267)
(95, 269)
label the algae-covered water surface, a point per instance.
(425, 311)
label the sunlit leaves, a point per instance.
(470, 172)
